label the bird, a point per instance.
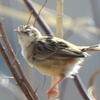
(51, 56)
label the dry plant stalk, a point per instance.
(17, 64)
(15, 74)
(59, 20)
(91, 82)
(59, 29)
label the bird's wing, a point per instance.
(55, 48)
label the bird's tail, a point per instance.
(90, 48)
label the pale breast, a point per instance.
(57, 67)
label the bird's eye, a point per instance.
(26, 31)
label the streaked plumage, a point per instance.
(51, 55)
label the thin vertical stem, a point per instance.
(59, 29)
(40, 20)
(59, 20)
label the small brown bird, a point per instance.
(51, 55)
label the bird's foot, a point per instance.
(51, 92)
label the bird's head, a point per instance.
(27, 34)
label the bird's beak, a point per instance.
(16, 30)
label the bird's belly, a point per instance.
(57, 67)
(48, 67)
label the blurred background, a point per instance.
(81, 27)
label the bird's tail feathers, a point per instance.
(91, 48)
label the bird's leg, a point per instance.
(54, 86)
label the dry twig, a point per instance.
(81, 88)
(40, 20)
(15, 74)
(91, 82)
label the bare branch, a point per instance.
(81, 88)
(15, 74)
(16, 63)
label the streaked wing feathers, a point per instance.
(52, 49)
